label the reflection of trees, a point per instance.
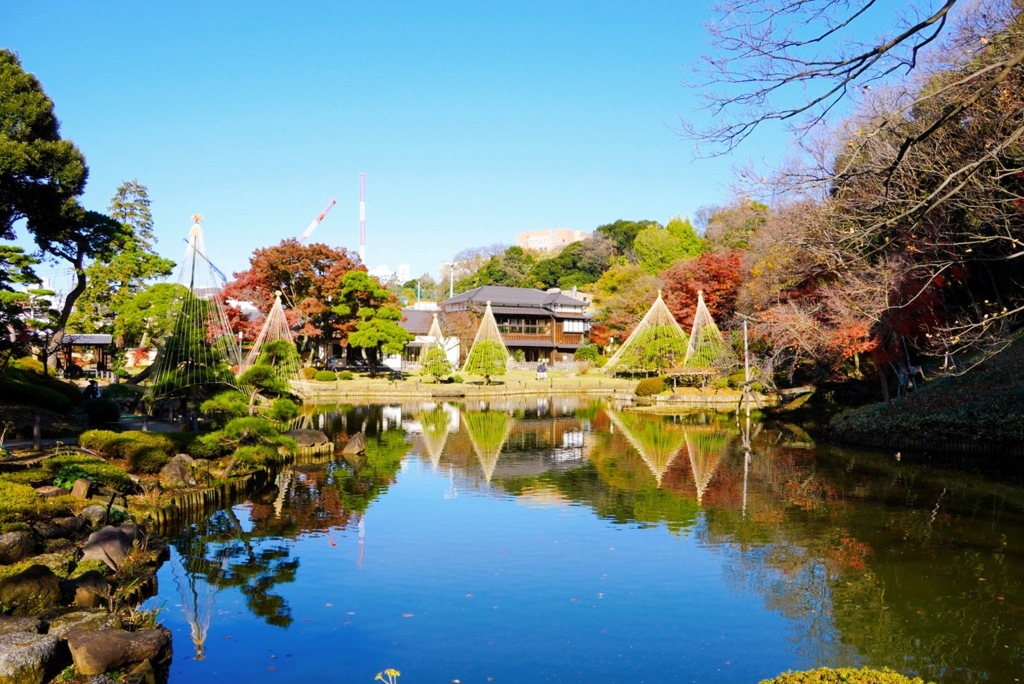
(876, 561)
(488, 431)
(361, 483)
(225, 555)
(436, 423)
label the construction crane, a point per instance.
(316, 222)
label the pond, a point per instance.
(562, 540)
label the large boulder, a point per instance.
(308, 438)
(110, 545)
(90, 590)
(97, 514)
(97, 651)
(62, 625)
(16, 546)
(30, 592)
(178, 472)
(60, 527)
(31, 625)
(355, 445)
(27, 658)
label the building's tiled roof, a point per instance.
(87, 339)
(417, 321)
(514, 296)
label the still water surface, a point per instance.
(560, 540)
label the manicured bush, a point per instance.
(325, 376)
(307, 372)
(98, 440)
(828, 675)
(99, 471)
(147, 459)
(345, 375)
(649, 386)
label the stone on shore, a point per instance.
(16, 547)
(308, 438)
(97, 651)
(110, 545)
(27, 658)
(31, 592)
(356, 444)
(62, 625)
(178, 472)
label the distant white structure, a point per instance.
(549, 240)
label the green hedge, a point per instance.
(325, 376)
(649, 386)
(828, 675)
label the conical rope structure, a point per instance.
(435, 339)
(657, 343)
(488, 350)
(201, 348)
(707, 348)
(274, 347)
(657, 442)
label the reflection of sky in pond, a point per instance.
(583, 559)
(477, 586)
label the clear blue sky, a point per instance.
(473, 121)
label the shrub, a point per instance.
(30, 364)
(587, 352)
(649, 386)
(264, 379)
(519, 355)
(98, 440)
(147, 459)
(97, 470)
(35, 395)
(456, 379)
(325, 376)
(307, 372)
(345, 375)
(828, 675)
(224, 406)
(282, 410)
(208, 446)
(19, 502)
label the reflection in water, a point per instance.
(866, 559)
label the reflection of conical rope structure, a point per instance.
(705, 449)
(435, 423)
(657, 441)
(657, 343)
(200, 347)
(198, 596)
(488, 431)
(488, 346)
(707, 348)
(275, 330)
(435, 340)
